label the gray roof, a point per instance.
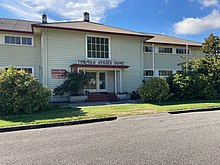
(164, 39)
(89, 26)
(16, 25)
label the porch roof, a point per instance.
(99, 66)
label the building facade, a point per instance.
(117, 60)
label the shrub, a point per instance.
(154, 89)
(21, 93)
(200, 78)
(74, 83)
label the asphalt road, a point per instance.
(157, 139)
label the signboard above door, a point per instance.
(100, 62)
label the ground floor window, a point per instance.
(27, 69)
(148, 73)
(165, 73)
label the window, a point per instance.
(148, 73)
(97, 47)
(26, 41)
(165, 50)
(165, 73)
(17, 40)
(179, 72)
(181, 51)
(29, 70)
(148, 49)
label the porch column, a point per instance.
(121, 81)
(115, 82)
(118, 81)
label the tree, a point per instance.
(202, 81)
(211, 46)
(74, 83)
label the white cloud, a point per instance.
(198, 25)
(208, 3)
(65, 9)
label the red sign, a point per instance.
(58, 74)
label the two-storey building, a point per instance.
(117, 59)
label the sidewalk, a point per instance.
(89, 104)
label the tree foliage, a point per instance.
(154, 89)
(202, 81)
(74, 83)
(21, 92)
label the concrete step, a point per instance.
(102, 97)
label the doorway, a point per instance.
(98, 81)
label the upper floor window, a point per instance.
(148, 49)
(181, 51)
(97, 47)
(165, 50)
(17, 40)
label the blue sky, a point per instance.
(188, 19)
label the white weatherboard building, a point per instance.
(117, 60)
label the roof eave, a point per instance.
(17, 31)
(84, 30)
(174, 44)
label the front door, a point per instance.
(102, 81)
(97, 82)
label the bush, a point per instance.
(191, 86)
(74, 83)
(154, 89)
(21, 93)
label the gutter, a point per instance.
(84, 30)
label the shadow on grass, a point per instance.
(167, 103)
(45, 115)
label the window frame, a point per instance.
(21, 37)
(189, 52)
(21, 67)
(98, 36)
(172, 72)
(164, 48)
(148, 70)
(144, 47)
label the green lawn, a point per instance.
(58, 115)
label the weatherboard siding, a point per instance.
(65, 48)
(168, 61)
(18, 55)
(129, 50)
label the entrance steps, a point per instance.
(96, 97)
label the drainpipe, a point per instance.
(187, 48)
(46, 66)
(153, 59)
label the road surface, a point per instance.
(192, 138)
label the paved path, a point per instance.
(157, 139)
(105, 103)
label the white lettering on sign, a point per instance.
(58, 73)
(100, 62)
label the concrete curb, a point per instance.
(194, 110)
(38, 126)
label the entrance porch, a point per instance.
(103, 79)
